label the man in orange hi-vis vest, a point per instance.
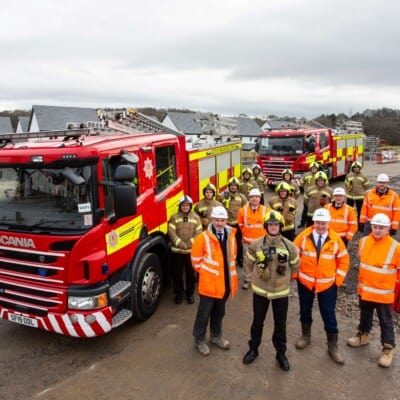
(324, 262)
(343, 217)
(379, 256)
(380, 199)
(213, 257)
(250, 220)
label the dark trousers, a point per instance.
(357, 204)
(181, 265)
(210, 309)
(304, 215)
(239, 245)
(326, 302)
(384, 312)
(279, 310)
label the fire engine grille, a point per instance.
(272, 169)
(24, 279)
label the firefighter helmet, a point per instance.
(380, 219)
(382, 178)
(185, 200)
(321, 175)
(233, 181)
(273, 217)
(246, 170)
(355, 164)
(254, 166)
(314, 164)
(210, 186)
(322, 215)
(283, 186)
(287, 171)
(219, 212)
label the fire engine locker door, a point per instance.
(207, 173)
(223, 169)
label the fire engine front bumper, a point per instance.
(72, 323)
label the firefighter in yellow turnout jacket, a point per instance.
(204, 207)
(183, 227)
(273, 260)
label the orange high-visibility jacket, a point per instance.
(343, 220)
(388, 203)
(208, 260)
(379, 262)
(251, 222)
(332, 265)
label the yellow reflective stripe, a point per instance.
(257, 289)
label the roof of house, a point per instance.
(55, 117)
(280, 124)
(247, 126)
(24, 122)
(186, 122)
(5, 125)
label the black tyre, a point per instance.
(147, 283)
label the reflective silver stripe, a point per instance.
(383, 271)
(373, 290)
(340, 272)
(342, 254)
(391, 252)
(310, 253)
(327, 256)
(319, 280)
(210, 261)
(252, 226)
(376, 207)
(210, 270)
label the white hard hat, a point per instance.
(380, 219)
(219, 212)
(254, 192)
(339, 191)
(321, 214)
(382, 178)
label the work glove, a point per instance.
(361, 227)
(393, 232)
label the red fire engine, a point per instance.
(83, 220)
(297, 149)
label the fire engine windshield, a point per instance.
(281, 146)
(51, 199)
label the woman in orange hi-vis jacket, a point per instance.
(324, 262)
(379, 265)
(213, 257)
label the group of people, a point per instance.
(214, 239)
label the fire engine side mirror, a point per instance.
(124, 191)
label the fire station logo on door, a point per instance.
(148, 168)
(112, 239)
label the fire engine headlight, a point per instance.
(87, 303)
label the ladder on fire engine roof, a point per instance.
(127, 122)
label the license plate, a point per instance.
(20, 319)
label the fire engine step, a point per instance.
(120, 291)
(122, 316)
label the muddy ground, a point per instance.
(157, 359)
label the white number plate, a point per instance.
(20, 319)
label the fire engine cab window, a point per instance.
(323, 141)
(166, 167)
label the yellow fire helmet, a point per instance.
(273, 217)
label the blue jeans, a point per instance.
(384, 312)
(326, 302)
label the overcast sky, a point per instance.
(284, 57)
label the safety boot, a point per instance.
(386, 357)
(220, 342)
(361, 339)
(333, 348)
(305, 338)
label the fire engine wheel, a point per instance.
(147, 284)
